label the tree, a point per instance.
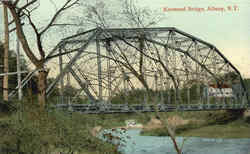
(132, 17)
(6, 49)
(125, 14)
(18, 9)
(247, 83)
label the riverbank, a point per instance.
(29, 128)
(237, 129)
(207, 125)
(192, 145)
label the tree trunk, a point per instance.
(6, 53)
(42, 85)
(170, 131)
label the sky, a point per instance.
(229, 31)
(225, 24)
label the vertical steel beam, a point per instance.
(108, 50)
(208, 97)
(71, 62)
(175, 96)
(161, 88)
(156, 81)
(99, 65)
(188, 95)
(68, 79)
(174, 63)
(125, 81)
(61, 79)
(197, 73)
(19, 78)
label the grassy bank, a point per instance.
(31, 130)
(236, 129)
(50, 133)
(208, 124)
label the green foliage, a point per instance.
(231, 76)
(31, 130)
(178, 130)
(247, 83)
(224, 117)
(247, 119)
(192, 125)
(155, 132)
(70, 91)
(136, 96)
(228, 124)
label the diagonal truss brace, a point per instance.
(23, 83)
(83, 85)
(71, 62)
(184, 52)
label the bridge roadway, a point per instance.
(124, 108)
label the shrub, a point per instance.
(155, 132)
(247, 119)
(31, 130)
(224, 117)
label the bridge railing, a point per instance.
(243, 98)
(212, 103)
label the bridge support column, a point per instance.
(99, 64)
(208, 98)
(61, 79)
(175, 96)
(108, 49)
(188, 95)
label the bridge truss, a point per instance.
(174, 64)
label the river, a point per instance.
(136, 144)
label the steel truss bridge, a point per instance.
(177, 66)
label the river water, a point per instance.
(136, 144)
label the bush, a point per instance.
(31, 130)
(136, 96)
(247, 119)
(7, 107)
(186, 127)
(224, 117)
(155, 132)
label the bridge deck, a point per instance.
(123, 108)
